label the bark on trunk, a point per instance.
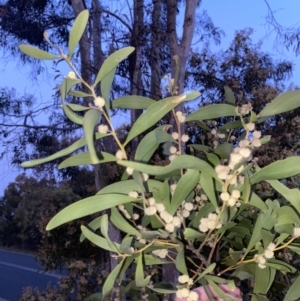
(135, 76)
(155, 51)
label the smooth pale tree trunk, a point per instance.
(180, 49)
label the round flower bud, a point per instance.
(99, 102)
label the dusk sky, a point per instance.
(229, 15)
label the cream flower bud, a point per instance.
(175, 135)
(236, 194)
(173, 150)
(99, 102)
(224, 196)
(203, 197)
(231, 202)
(129, 170)
(185, 213)
(169, 227)
(296, 232)
(203, 224)
(182, 293)
(214, 132)
(244, 143)
(181, 119)
(135, 216)
(120, 155)
(271, 246)
(160, 207)
(185, 138)
(173, 187)
(250, 126)
(133, 194)
(145, 177)
(163, 253)
(188, 206)
(193, 296)
(262, 266)
(172, 157)
(256, 142)
(103, 128)
(256, 134)
(178, 113)
(245, 152)
(269, 254)
(176, 221)
(71, 75)
(151, 201)
(183, 279)
(235, 158)
(150, 210)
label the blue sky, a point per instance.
(229, 15)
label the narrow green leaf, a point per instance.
(257, 202)
(180, 261)
(191, 234)
(218, 290)
(140, 280)
(212, 112)
(97, 240)
(283, 103)
(126, 245)
(236, 124)
(287, 215)
(64, 152)
(150, 143)
(88, 206)
(124, 187)
(104, 231)
(152, 260)
(37, 53)
(229, 96)
(280, 169)
(256, 235)
(112, 62)
(200, 147)
(185, 185)
(78, 93)
(94, 225)
(132, 102)
(85, 159)
(184, 162)
(224, 150)
(105, 85)
(291, 195)
(77, 30)
(90, 120)
(65, 87)
(208, 270)
(208, 186)
(77, 108)
(156, 112)
(119, 221)
(111, 279)
(262, 280)
(247, 190)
